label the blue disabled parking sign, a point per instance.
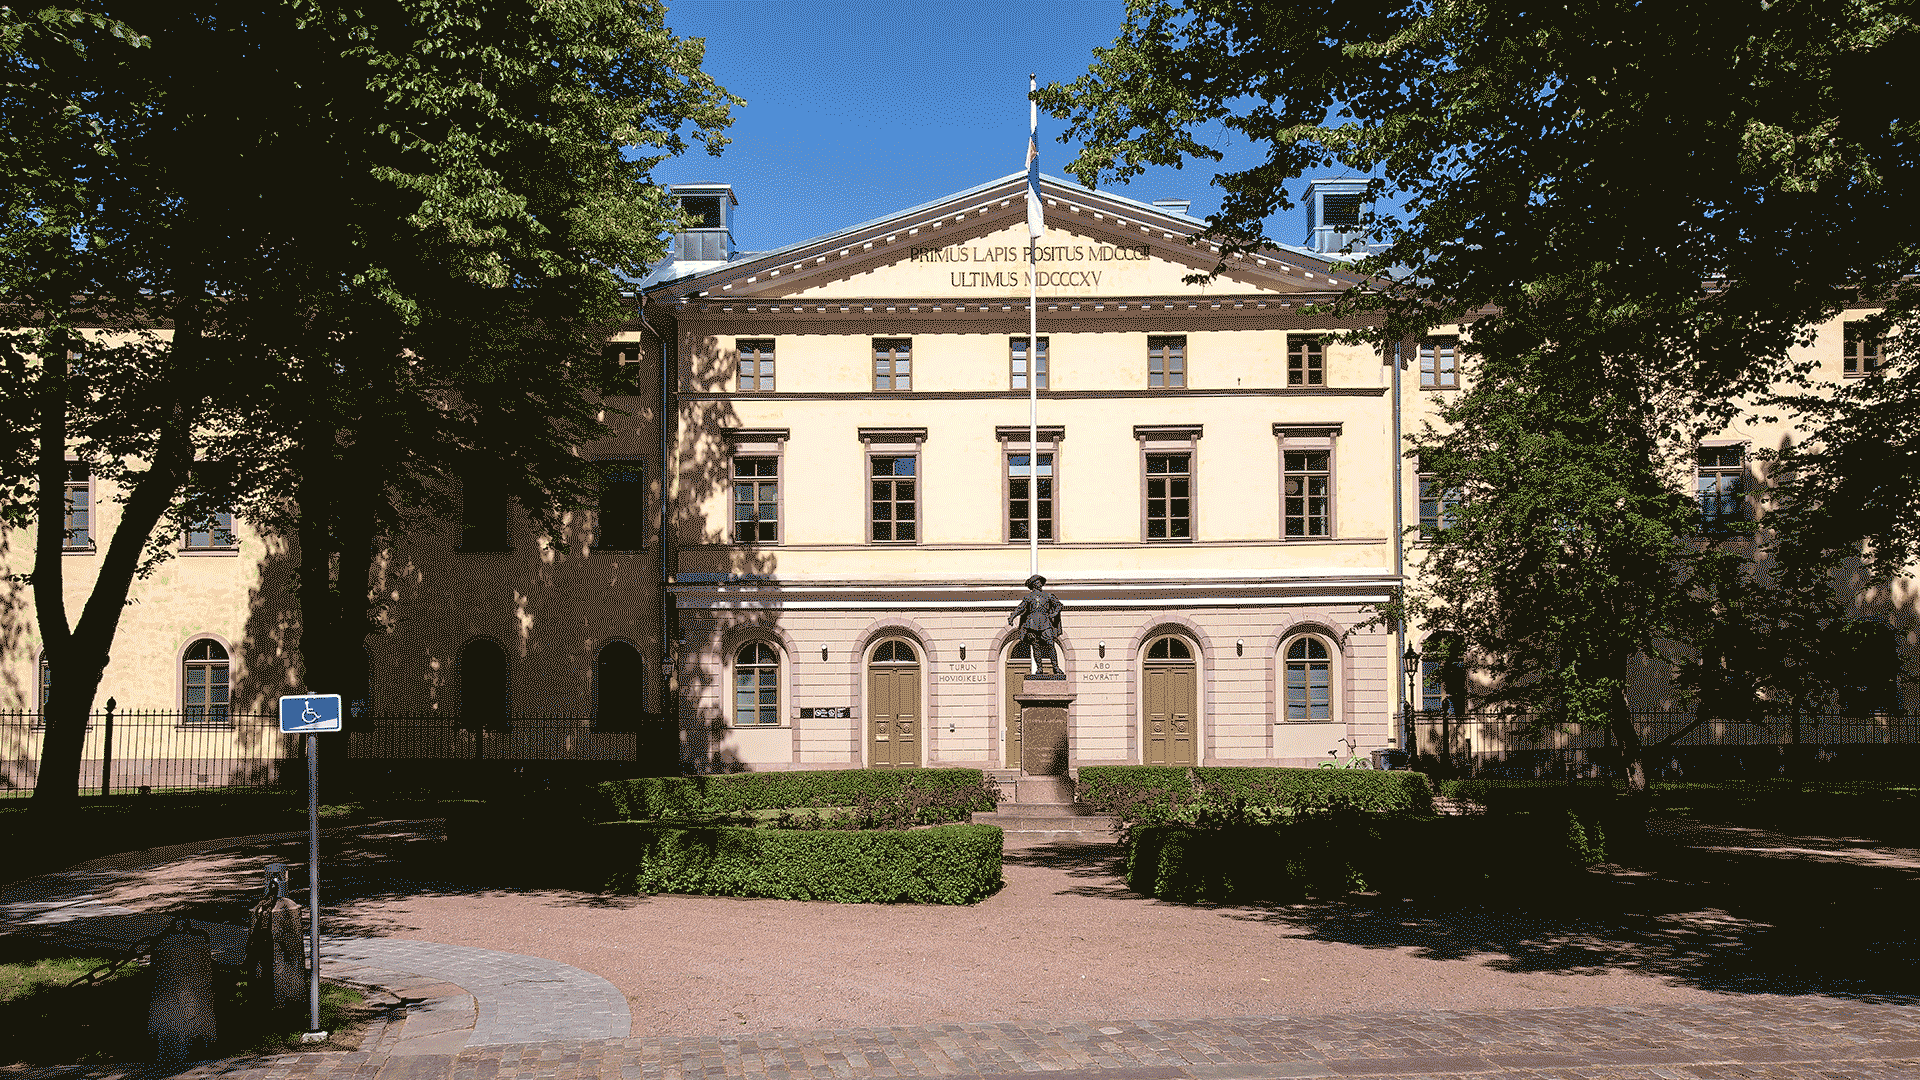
(302, 714)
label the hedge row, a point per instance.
(958, 792)
(1331, 854)
(1151, 794)
(951, 864)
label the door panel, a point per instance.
(1169, 696)
(893, 705)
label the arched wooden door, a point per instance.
(893, 706)
(1170, 695)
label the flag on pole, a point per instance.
(1034, 224)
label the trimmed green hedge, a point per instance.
(950, 864)
(706, 796)
(1151, 794)
(1326, 855)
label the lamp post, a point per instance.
(1409, 663)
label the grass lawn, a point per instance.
(115, 823)
(44, 1021)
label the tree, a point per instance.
(1640, 208)
(314, 233)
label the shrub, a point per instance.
(1326, 855)
(950, 864)
(1146, 794)
(935, 795)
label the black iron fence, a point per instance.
(1675, 743)
(129, 751)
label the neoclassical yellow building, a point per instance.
(851, 449)
(817, 517)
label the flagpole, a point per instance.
(1033, 328)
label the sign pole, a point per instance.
(313, 878)
(308, 714)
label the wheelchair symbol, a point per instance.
(309, 717)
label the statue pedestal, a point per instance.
(1043, 725)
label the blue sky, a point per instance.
(856, 109)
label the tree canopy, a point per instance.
(286, 235)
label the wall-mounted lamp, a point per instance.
(1103, 650)
(823, 652)
(963, 650)
(1239, 646)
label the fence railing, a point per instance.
(1495, 743)
(129, 751)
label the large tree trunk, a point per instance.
(78, 658)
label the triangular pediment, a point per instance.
(973, 246)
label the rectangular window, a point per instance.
(212, 527)
(1166, 363)
(1169, 496)
(620, 370)
(79, 523)
(1306, 361)
(756, 500)
(622, 516)
(895, 507)
(1864, 351)
(1308, 488)
(756, 366)
(1440, 363)
(892, 364)
(483, 511)
(1019, 350)
(1020, 472)
(1437, 506)
(1718, 485)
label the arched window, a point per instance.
(1308, 679)
(1169, 648)
(483, 683)
(206, 683)
(756, 685)
(619, 683)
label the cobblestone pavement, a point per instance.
(516, 998)
(1754, 1038)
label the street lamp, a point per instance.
(1409, 663)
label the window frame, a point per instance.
(764, 365)
(1158, 439)
(757, 443)
(1310, 350)
(1861, 355)
(778, 669)
(1013, 440)
(1446, 504)
(1429, 350)
(1016, 356)
(894, 443)
(1716, 523)
(1173, 350)
(482, 478)
(183, 671)
(218, 523)
(639, 526)
(1285, 672)
(84, 485)
(1310, 438)
(899, 358)
(460, 676)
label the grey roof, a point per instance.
(668, 271)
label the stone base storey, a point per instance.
(769, 680)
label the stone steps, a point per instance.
(1043, 809)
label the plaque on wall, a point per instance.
(838, 712)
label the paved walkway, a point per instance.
(480, 1014)
(455, 995)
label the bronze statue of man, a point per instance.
(1038, 616)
